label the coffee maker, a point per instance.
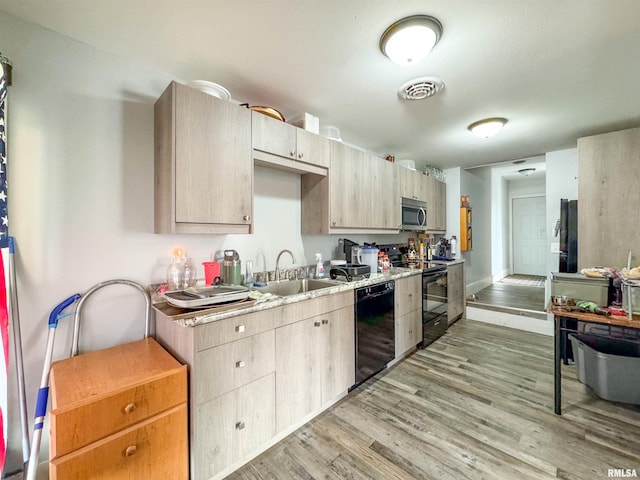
(349, 249)
(443, 250)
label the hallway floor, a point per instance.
(513, 295)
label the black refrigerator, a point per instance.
(568, 236)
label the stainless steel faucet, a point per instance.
(277, 272)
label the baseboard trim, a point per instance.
(519, 322)
(499, 276)
(479, 285)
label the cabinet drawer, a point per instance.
(295, 312)
(234, 328)
(233, 365)
(232, 426)
(155, 448)
(75, 426)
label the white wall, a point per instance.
(561, 182)
(477, 184)
(500, 246)
(452, 176)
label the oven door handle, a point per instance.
(375, 295)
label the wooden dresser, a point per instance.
(119, 413)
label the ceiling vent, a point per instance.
(420, 88)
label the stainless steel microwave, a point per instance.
(414, 214)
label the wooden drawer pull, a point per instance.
(130, 451)
(130, 408)
(240, 426)
(240, 364)
(240, 328)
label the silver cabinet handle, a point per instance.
(240, 364)
(300, 155)
(325, 321)
(239, 328)
(240, 426)
(292, 153)
(246, 217)
(316, 324)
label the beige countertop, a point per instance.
(192, 318)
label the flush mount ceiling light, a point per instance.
(488, 127)
(409, 40)
(526, 171)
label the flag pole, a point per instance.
(14, 314)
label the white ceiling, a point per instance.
(558, 70)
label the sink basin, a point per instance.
(291, 287)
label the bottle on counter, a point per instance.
(319, 266)
(175, 274)
(454, 246)
(189, 274)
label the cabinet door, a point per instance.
(408, 294)
(349, 187)
(338, 337)
(407, 183)
(408, 331)
(298, 387)
(231, 426)
(213, 166)
(273, 136)
(436, 206)
(313, 149)
(455, 291)
(385, 204)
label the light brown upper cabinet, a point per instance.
(359, 195)
(203, 164)
(436, 205)
(413, 184)
(278, 144)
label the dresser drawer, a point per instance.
(98, 393)
(234, 328)
(75, 426)
(233, 365)
(155, 448)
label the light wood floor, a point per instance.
(505, 297)
(476, 404)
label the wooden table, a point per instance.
(558, 316)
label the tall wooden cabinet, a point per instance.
(608, 199)
(119, 413)
(203, 164)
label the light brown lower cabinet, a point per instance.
(233, 425)
(455, 291)
(254, 375)
(408, 314)
(315, 361)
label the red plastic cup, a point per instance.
(211, 271)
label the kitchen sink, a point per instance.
(291, 287)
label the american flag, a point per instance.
(4, 243)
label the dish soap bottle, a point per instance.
(319, 266)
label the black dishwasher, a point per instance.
(375, 329)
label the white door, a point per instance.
(529, 220)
